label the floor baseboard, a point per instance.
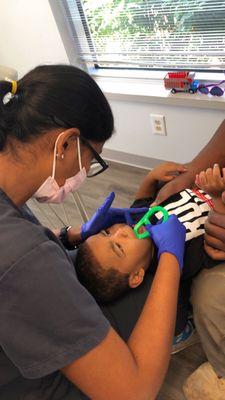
(133, 160)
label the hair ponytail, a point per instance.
(6, 87)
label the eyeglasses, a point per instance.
(98, 165)
(215, 90)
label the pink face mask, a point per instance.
(50, 191)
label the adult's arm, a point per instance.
(213, 152)
(164, 172)
(134, 371)
(73, 234)
(104, 217)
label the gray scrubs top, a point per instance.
(47, 318)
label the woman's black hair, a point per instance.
(49, 93)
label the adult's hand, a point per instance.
(213, 152)
(183, 181)
(106, 216)
(169, 237)
(215, 235)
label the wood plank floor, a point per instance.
(124, 181)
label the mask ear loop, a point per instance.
(55, 155)
(79, 153)
(55, 149)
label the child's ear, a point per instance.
(136, 278)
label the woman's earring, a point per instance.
(62, 156)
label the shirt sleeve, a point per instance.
(47, 318)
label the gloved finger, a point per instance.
(130, 211)
(106, 204)
(128, 218)
(162, 225)
(148, 228)
(138, 210)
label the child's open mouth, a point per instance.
(142, 229)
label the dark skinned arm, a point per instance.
(164, 172)
(213, 152)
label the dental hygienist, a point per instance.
(55, 342)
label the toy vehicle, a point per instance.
(181, 81)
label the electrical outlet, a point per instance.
(158, 124)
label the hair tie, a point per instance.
(14, 87)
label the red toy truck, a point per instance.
(181, 81)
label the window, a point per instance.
(148, 34)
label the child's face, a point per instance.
(119, 248)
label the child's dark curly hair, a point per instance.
(105, 285)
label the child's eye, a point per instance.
(105, 232)
(120, 247)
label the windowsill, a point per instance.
(149, 74)
(147, 86)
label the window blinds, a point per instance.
(160, 34)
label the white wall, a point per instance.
(29, 35)
(188, 130)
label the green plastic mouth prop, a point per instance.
(145, 220)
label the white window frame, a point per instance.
(113, 81)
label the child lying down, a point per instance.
(113, 261)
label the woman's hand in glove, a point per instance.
(169, 237)
(106, 216)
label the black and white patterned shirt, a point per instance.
(192, 210)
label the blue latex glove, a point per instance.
(106, 216)
(169, 237)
